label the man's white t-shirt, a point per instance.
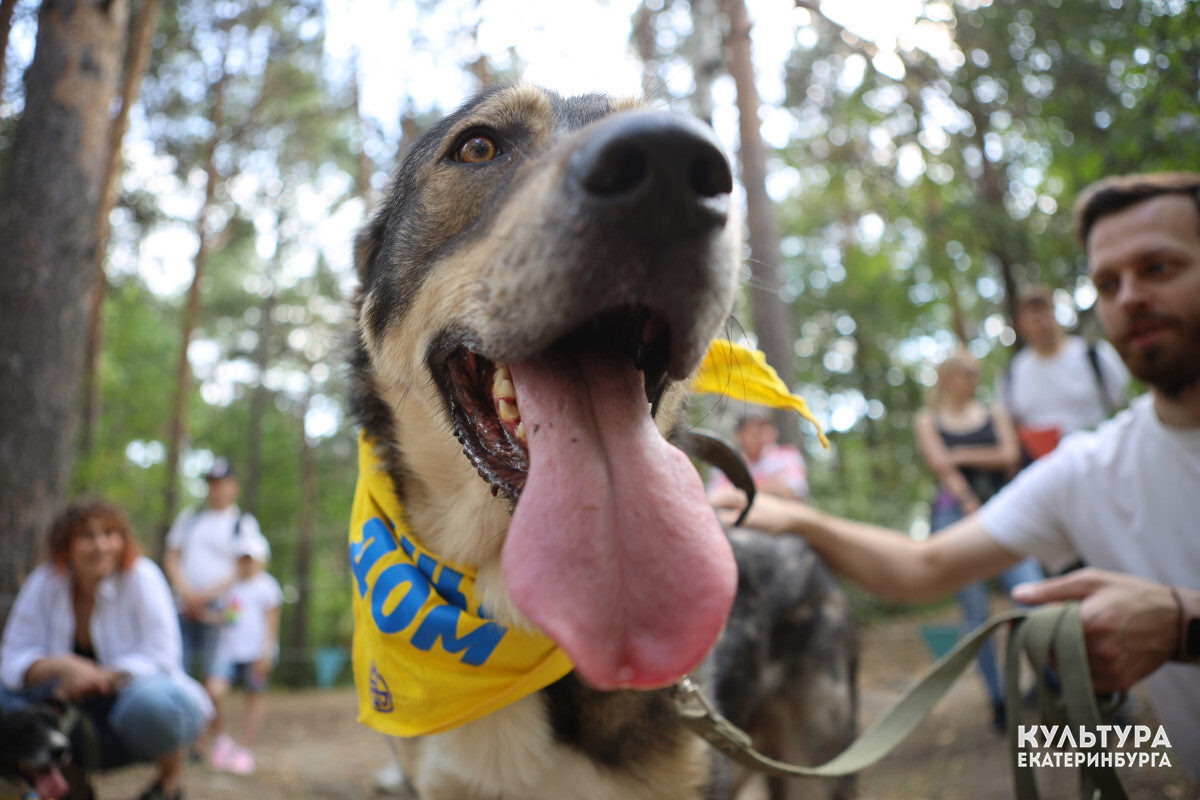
(205, 540)
(1061, 391)
(243, 638)
(1124, 498)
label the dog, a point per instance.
(33, 753)
(535, 291)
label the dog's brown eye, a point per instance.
(477, 150)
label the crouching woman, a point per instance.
(95, 626)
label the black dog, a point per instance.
(32, 754)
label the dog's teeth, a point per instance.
(642, 376)
(505, 390)
(502, 374)
(508, 411)
(521, 431)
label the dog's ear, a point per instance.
(366, 247)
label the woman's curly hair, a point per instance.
(75, 519)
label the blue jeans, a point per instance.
(151, 717)
(199, 645)
(974, 602)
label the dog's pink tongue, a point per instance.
(613, 550)
(51, 785)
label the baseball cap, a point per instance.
(221, 468)
(256, 547)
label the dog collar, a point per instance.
(426, 657)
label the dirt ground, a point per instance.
(312, 749)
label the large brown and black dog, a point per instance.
(540, 283)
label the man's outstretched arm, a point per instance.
(882, 561)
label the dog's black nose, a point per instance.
(658, 170)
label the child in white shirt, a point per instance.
(247, 650)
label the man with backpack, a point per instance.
(201, 563)
(1057, 384)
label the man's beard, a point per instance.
(1170, 369)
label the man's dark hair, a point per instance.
(752, 415)
(1035, 294)
(1111, 195)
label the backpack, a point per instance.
(1093, 358)
(191, 523)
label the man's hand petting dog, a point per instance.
(1130, 623)
(768, 512)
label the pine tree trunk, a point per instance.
(772, 318)
(258, 403)
(641, 37)
(6, 15)
(704, 53)
(137, 60)
(308, 525)
(178, 425)
(48, 230)
(365, 166)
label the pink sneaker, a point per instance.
(220, 755)
(242, 762)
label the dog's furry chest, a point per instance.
(523, 752)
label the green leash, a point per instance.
(1040, 634)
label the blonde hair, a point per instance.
(959, 360)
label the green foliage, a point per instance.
(266, 353)
(924, 185)
(913, 187)
(136, 364)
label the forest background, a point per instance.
(180, 184)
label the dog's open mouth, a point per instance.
(47, 781)
(613, 550)
(483, 398)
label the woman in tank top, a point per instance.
(972, 450)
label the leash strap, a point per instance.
(1058, 637)
(1040, 632)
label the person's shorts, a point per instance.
(240, 675)
(199, 644)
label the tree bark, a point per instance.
(641, 37)
(365, 166)
(178, 425)
(48, 227)
(704, 53)
(307, 529)
(259, 400)
(137, 60)
(6, 15)
(772, 318)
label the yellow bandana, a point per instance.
(744, 374)
(426, 657)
